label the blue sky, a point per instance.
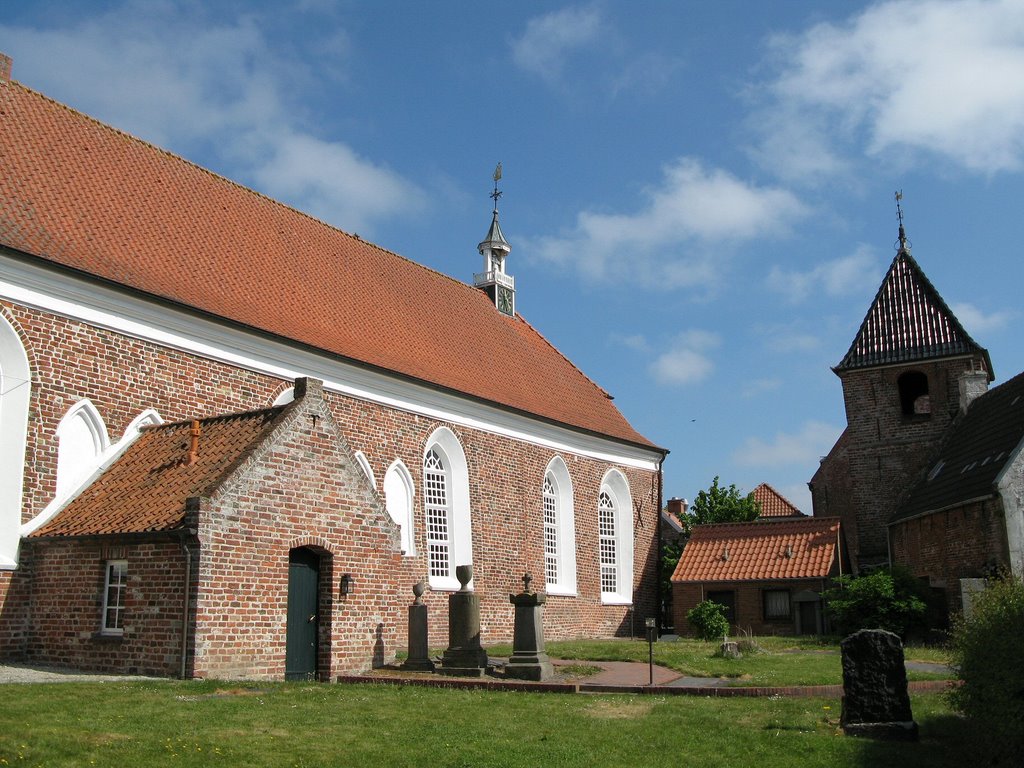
(698, 195)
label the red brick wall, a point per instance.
(963, 542)
(123, 376)
(749, 597)
(883, 451)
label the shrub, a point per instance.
(988, 653)
(876, 601)
(708, 618)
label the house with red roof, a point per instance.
(232, 437)
(767, 574)
(774, 504)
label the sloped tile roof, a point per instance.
(908, 321)
(758, 550)
(773, 503)
(977, 448)
(82, 195)
(145, 489)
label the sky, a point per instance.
(699, 196)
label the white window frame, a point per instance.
(565, 529)
(399, 492)
(364, 464)
(616, 487)
(15, 396)
(75, 468)
(459, 521)
(120, 588)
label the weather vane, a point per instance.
(496, 194)
(902, 244)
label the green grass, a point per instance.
(292, 724)
(784, 661)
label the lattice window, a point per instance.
(113, 597)
(550, 531)
(437, 501)
(606, 513)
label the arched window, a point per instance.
(615, 539)
(914, 398)
(364, 464)
(446, 507)
(559, 530)
(81, 442)
(285, 397)
(398, 496)
(15, 391)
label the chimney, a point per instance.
(5, 67)
(973, 384)
(193, 449)
(677, 507)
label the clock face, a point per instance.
(505, 300)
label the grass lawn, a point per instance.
(785, 660)
(205, 723)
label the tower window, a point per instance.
(914, 398)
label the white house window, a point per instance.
(398, 495)
(436, 502)
(550, 531)
(776, 604)
(608, 544)
(113, 597)
(15, 392)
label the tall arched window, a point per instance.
(446, 507)
(615, 539)
(559, 530)
(398, 496)
(15, 391)
(81, 442)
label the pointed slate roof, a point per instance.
(978, 447)
(82, 196)
(146, 488)
(798, 548)
(908, 321)
(774, 504)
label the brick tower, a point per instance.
(904, 378)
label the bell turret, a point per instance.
(494, 248)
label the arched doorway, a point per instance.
(303, 629)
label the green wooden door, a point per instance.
(303, 618)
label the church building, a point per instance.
(232, 437)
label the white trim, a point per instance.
(15, 396)
(122, 593)
(74, 471)
(285, 397)
(566, 521)
(615, 485)
(399, 503)
(133, 315)
(364, 464)
(460, 523)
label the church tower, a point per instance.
(909, 371)
(494, 280)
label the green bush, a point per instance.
(988, 653)
(708, 618)
(889, 600)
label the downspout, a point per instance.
(657, 560)
(186, 599)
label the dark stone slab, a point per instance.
(875, 699)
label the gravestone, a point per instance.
(875, 699)
(418, 659)
(528, 661)
(464, 657)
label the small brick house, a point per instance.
(768, 574)
(230, 433)
(928, 472)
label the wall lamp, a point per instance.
(347, 584)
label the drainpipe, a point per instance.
(657, 560)
(187, 593)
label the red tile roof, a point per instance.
(773, 503)
(798, 548)
(145, 489)
(80, 194)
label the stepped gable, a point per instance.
(146, 488)
(979, 446)
(800, 548)
(86, 197)
(908, 321)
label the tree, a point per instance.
(883, 599)
(708, 618)
(720, 505)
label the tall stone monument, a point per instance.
(418, 659)
(875, 699)
(464, 657)
(529, 661)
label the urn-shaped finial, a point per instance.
(464, 573)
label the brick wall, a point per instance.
(749, 597)
(964, 542)
(123, 376)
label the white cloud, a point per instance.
(975, 320)
(635, 341)
(193, 84)
(549, 39)
(935, 76)
(685, 361)
(760, 386)
(677, 238)
(807, 446)
(852, 274)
